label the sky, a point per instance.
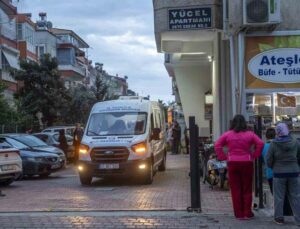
(120, 34)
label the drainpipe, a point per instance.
(232, 74)
(241, 53)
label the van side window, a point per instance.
(157, 119)
(152, 122)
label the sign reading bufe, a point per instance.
(280, 65)
(190, 18)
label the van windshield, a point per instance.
(117, 123)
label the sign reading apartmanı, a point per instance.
(280, 65)
(190, 18)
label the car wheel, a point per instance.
(148, 179)
(45, 175)
(85, 180)
(6, 182)
(163, 164)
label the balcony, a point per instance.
(79, 72)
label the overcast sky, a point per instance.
(120, 34)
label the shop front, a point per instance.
(272, 80)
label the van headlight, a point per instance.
(140, 149)
(84, 152)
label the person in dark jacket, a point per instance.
(283, 157)
(63, 144)
(176, 135)
(270, 135)
(77, 136)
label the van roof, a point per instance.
(129, 105)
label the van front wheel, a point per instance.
(85, 180)
(148, 178)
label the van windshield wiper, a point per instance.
(92, 132)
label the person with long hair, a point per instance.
(243, 146)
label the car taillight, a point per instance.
(140, 148)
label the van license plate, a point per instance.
(8, 167)
(109, 166)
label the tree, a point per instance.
(43, 89)
(100, 87)
(80, 104)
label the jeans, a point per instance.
(280, 185)
(287, 210)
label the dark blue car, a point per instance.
(34, 161)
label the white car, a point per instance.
(69, 130)
(10, 166)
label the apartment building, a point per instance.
(26, 37)
(71, 56)
(8, 46)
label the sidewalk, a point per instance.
(131, 219)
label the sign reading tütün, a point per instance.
(190, 18)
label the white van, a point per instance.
(123, 137)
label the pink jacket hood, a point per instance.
(239, 143)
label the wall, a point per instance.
(8, 26)
(193, 82)
(48, 40)
(289, 15)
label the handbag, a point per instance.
(244, 157)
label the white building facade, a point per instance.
(241, 55)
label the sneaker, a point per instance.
(279, 221)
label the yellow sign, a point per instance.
(272, 62)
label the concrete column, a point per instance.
(193, 81)
(216, 87)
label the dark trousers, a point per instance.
(175, 146)
(287, 210)
(240, 176)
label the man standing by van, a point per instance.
(176, 135)
(77, 136)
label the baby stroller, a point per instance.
(216, 172)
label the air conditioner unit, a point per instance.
(261, 12)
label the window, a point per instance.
(41, 51)
(20, 32)
(5, 64)
(117, 123)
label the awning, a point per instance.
(12, 60)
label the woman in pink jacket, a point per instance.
(239, 141)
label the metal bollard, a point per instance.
(194, 167)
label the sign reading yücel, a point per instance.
(277, 65)
(190, 18)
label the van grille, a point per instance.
(109, 154)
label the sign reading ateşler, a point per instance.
(280, 65)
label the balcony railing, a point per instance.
(76, 68)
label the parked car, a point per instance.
(35, 143)
(10, 164)
(34, 162)
(69, 130)
(51, 138)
